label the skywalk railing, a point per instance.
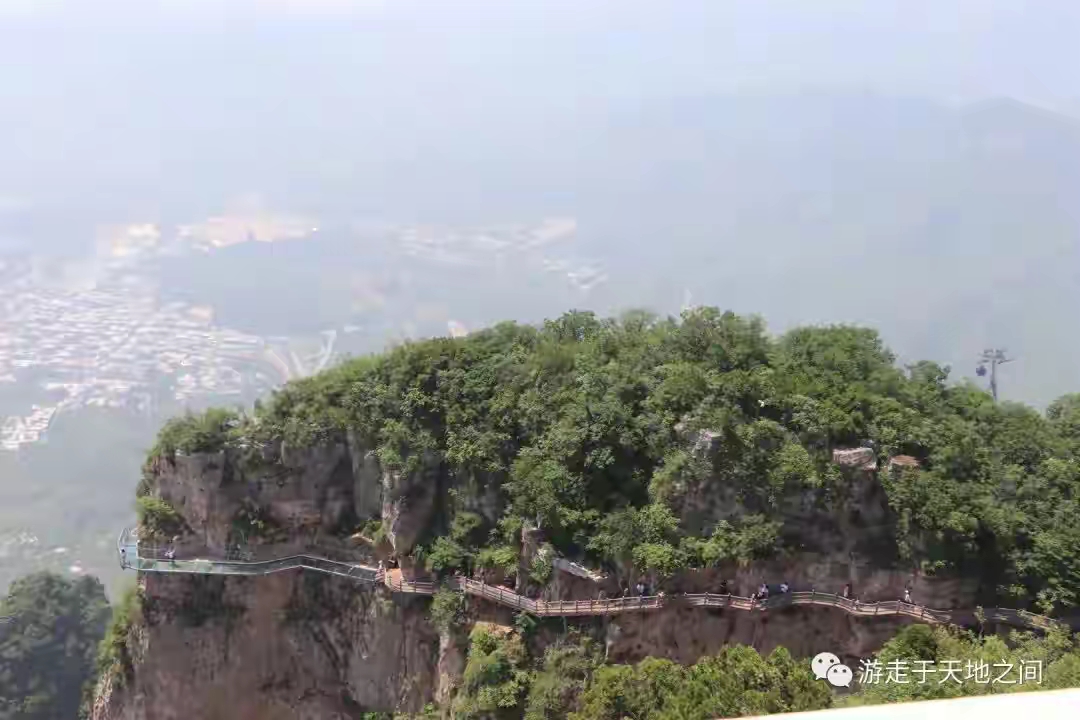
(133, 556)
(1008, 616)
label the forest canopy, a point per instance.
(48, 645)
(599, 429)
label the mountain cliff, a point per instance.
(310, 645)
(681, 454)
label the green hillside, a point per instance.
(588, 426)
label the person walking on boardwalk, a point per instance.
(847, 591)
(907, 595)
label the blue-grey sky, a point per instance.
(572, 47)
(103, 91)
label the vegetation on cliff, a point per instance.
(570, 680)
(48, 639)
(157, 518)
(496, 676)
(979, 662)
(113, 654)
(736, 682)
(600, 430)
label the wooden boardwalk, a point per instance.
(132, 558)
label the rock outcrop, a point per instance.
(304, 645)
(859, 458)
(408, 503)
(303, 496)
(276, 647)
(290, 645)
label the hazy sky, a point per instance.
(566, 48)
(117, 111)
(129, 94)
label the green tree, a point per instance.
(208, 432)
(737, 681)
(495, 679)
(48, 645)
(447, 609)
(1056, 655)
(157, 518)
(1064, 414)
(595, 430)
(557, 685)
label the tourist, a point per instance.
(784, 587)
(847, 591)
(907, 595)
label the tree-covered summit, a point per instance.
(594, 429)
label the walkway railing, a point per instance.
(131, 557)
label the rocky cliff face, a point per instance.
(285, 497)
(685, 634)
(282, 646)
(304, 645)
(290, 645)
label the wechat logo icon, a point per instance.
(826, 666)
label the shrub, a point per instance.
(208, 432)
(447, 609)
(541, 567)
(157, 518)
(562, 677)
(445, 555)
(113, 653)
(495, 679)
(253, 521)
(500, 557)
